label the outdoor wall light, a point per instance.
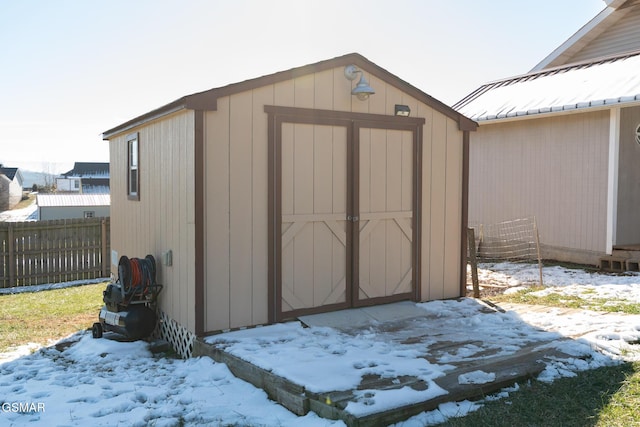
(402, 110)
(362, 89)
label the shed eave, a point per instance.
(555, 111)
(145, 118)
(207, 100)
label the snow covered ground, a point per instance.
(30, 213)
(106, 382)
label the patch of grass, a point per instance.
(604, 397)
(525, 296)
(47, 315)
(24, 203)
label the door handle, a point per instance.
(352, 218)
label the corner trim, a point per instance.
(199, 264)
(612, 179)
(464, 223)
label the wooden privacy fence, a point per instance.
(34, 253)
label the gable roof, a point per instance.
(87, 169)
(69, 200)
(12, 174)
(598, 84)
(577, 47)
(207, 100)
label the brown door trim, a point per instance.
(353, 122)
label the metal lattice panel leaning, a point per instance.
(515, 241)
(179, 337)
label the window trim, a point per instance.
(133, 139)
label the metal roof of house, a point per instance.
(88, 170)
(68, 200)
(9, 172)
(594, 84)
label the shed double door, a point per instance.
(346, 233)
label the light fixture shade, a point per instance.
(362, 89)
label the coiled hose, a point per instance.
(138, 277)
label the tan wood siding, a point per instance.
(453, 211)
(623, 36)
(386, 213)
(314, 215)
(240, 204)
(217, 216)
(163, 218)
(628, 218)
(552, 168)
(437, 214)
(427, 285)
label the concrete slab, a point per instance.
(359, 317)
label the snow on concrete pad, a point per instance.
(384, 372)
(476, 377)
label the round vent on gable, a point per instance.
(638, 134)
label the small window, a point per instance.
(89, 214)
(133, 169)
(76, 184)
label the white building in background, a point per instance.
(11, 182)
(86, 178)
(69, 206)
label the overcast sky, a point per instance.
(72, 69)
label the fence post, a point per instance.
(473, 260)
(535, 228)
(105, 255)
(12, 256)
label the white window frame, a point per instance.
(133, 166)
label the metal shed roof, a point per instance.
(595, 84)
(49, 200)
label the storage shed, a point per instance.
(70, 206)
(328, 186)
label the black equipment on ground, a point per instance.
(130, 302)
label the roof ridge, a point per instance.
(579, 64)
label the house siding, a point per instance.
(163, 218)
(623, 36)
(236, 191)
(552, 168)
(10, 192)
(71, 212)
(627, 229)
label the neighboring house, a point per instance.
(92, 178)
(287, 195)
(11, 181)
(69, 206)
(562, 142)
